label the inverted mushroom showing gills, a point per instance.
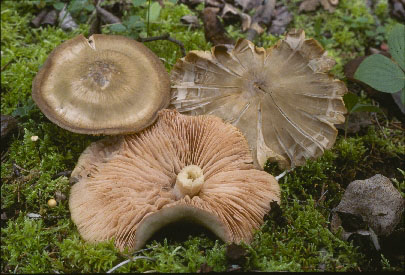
(107, 84)
(183, 168)
(281, 98)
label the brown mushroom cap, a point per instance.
(127, 186)
(281, 98)
(107, 84)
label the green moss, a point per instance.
(304, 244)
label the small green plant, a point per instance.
(353, 105)
(385, 74)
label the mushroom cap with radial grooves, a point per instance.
(125, 184)
(281, 98)
(107, 84)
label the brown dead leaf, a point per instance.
(261, 19)
(248, 5)
(190, 20)
(213, 28)
(231, 14)
(281, 19)
(311, 5)
(397, 9)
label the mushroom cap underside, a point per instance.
(107, 84)
(125, 184)
(281, 98)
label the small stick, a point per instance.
(7, 64)
(62, 174)
(165, 36)
(133, 259)
(379, 126)
(127, 261)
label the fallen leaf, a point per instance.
(190, 20)
(311, 5)
(213, 29)
(66, 21)
(397, 9)
(281, 20)
(261, 19)
(107, 17)
(248, 5)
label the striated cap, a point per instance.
(107, 84)
(281, 98)
(183, 168)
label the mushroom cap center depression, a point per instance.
(100, 72)
(189, 181)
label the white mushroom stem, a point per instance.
(189, 181)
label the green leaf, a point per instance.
(118, 28)
(381, 73)
(403, 96)
(365, 108)
(58, 5)
(350, 101)
(154, 11)
(396, 44)
(138, 3)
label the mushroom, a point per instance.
(281, 98)
(107, 84)
(183, 168)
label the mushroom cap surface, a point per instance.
(281, 98)
(107, 84)
(125, 184)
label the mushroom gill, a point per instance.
(194, 168)
(281, 98)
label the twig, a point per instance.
(379, 126)
(165, 36)
(147, 27)
(62, 174)
(7, 64)
(19, 167)
(283, 174)
(134, 258)
(127, 261)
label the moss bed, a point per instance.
(31, 170)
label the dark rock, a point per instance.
(376, 200)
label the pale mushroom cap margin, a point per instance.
(107, 84)
(125, 183)
(281, 98)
